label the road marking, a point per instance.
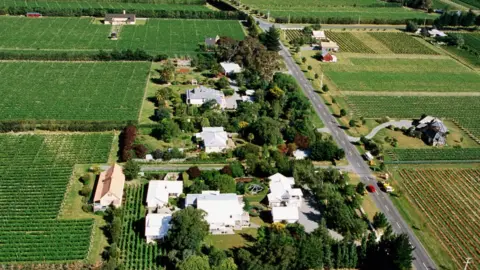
(386, 207)
(424, 265)
(398, 225)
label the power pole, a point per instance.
(321, 82)
(467, 263)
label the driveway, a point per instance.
(309, 217)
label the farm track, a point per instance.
(450, 206)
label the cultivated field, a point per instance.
(104, 5)
(36, 170)
(449, 200)
(462, 109)
(136, 254)
(348, 42)
(472, 52)
(402, 75)
(156, 36)
(93, 91)
(401, 43)
(398, 155)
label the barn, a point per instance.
(33, 15)
(328, 57)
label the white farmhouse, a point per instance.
(201, 94)
(281, 192)
(159, 192)
(109, 190)
(229, 68)
(215, 139)
(319, 35)
(288, 214)
(156, 226)
(224, 211)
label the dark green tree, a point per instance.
(380, 220)
(188, 229)
(272, 39)
(131, 169)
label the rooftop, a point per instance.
(285, 213)
(213, 137)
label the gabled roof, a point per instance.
(281, 188)
(211, 41)
(213, 137)
(319, 34)
(285, 213)
(158, 191)
(205, 93)
(111, 16)
(230, 67)
(220, 208)
(435, 32)
(110, 181)
(157, 225)
(329, 44)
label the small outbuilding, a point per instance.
(328, 57)
(120, 19)
(229, 68)
(33, 15)
(211, 41)
(436, 33)
(319, 35)
(329, 46)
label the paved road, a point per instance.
(383, 202)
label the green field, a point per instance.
(348, 42)
(156, 36)
(35, 171)
(399, 155)
(136, 254)
(104, 5)
(93, 91)
(401, 43)
(402, 75)
(464, 110)
(471, 49)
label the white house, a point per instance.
(281, 192)
(230, 68)
(201, 94)
(436, 33)
(156, 226)
(215, 139)
(224, 211)
(287, 214)
(109, 190)
(319, 35)
(159, 191)
(120, 19)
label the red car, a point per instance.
(371, 188)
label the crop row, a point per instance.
(136, 254)
(293, 34)
(35, 171)
(433, 154)
(401, 43)
(348, 42)
(464, 110)
(450, 206)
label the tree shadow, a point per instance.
(248, 237)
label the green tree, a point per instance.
(131, 169)
(267, 131)
(187, 229)
(222, 83)
(325, 88)
(237, 169)
(194, 262)
(379, 220)
(323, 150)
(411, 26)
(226, 264)
(167, 72)
(250, 137)
(401, 252)
(310, 253)
(272, 39)
(275, 92)
(343, 112)
(360, 188)
(166, 131)
(225, 183)
(352, 123)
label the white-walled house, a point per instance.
(201, 94)
(288, 214)
(159, 191)
(281, 192)
(229, 68)
(215, 139)
(224, 211)
(156, 226)
(109, 189)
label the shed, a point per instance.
(33, 15)
(230, 68)
(328, 57)
(319, 35)
(211, 41)
(329, 46)
(288, 214)
(119, 19)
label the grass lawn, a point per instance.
(91, 91)
(168, 36)
(239, 239)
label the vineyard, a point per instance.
(136, 254)
(401, 43)
(463, 110)
(433, 154)
(35, 171)
(293, 34)
(450, 201)
(156, 36)
(103, 5)
(93, 91)
(348, 42)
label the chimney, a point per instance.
(124, 12)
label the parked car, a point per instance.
(371, 188)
